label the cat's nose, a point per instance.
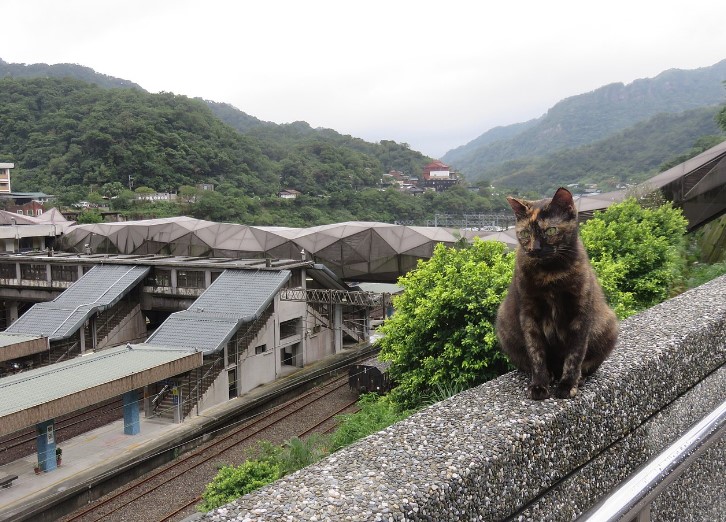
(536, 245)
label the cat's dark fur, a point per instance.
(554, 323)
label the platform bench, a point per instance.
(7, 481)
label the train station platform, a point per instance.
(99, 460)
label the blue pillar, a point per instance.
(132, 423)
(45, 444)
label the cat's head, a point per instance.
(547, 228)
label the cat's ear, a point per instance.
(563, 200)
(520, 208)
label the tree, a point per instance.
(638, 253)
(442, 333)
(112, 189)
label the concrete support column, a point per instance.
(337, 328)
(82, 340)
(132, 422)
(45, 444)
(176, 394)
(12, 312)
(48, 276)
(173, 278)
(92, 324)
(147, 403)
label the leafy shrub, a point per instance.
(443, 330)
(231, 482)
(638, 253)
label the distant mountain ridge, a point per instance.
(586, 118)
(617, 123)
(63, 70)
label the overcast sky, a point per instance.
(431, 74)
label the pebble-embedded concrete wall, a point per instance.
(491, 453)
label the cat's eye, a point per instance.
(551, 231)
(524, 234)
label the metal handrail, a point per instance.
(156, 400)
(632, 498)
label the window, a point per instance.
(260, 349)
(66, 273)
(290, 328)
(33, 272)
(160, 277)
(39, 212)
(190, 279)
(7, 271)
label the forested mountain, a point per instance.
(587, 118)
(77, 138)
(63, 70)
(73, 139)
(628, 156)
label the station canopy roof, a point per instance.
(353, 250)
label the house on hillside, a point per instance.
(21, 203)
(5, 177)
(438, 176)
(289, 194)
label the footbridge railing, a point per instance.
(490, 453)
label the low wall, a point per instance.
(491, 453)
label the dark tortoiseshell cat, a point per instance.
(554, 323)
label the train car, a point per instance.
(369, 378)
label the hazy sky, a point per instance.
(434, 75)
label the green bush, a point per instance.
(376, 413)
(443, 330)
(231, 482)
(638, 253)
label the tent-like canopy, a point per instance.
(356, 250)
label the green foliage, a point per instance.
(638, 253)
(699, 274)
(443, 330)
(64, 132)
(631, 155)
(89, 216)
(376, 413)
(297, 453)
(271, 463)
(231, 482)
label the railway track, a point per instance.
(181, 481)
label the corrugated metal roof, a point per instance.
(98, 289)
(35, 387)
(236, 297)
(48, 392)
(8, 339)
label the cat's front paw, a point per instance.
(566, 391)
(539, 392)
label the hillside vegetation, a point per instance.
(628, 156)
(74, 139)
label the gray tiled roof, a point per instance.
(34, 387)
(236, 297)
(98, 289)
